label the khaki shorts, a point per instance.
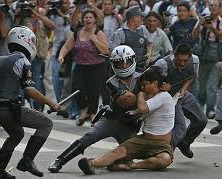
(141, 147)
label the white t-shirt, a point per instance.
(160, 119)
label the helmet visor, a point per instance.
(123, 63)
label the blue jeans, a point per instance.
(74, 108)
(209, 81)
(218, 115)
(188, 107)
(195, 88)
(56, 80)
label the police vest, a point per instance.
(114, 84)
(175, 77)
(9, 82)
(138, 43)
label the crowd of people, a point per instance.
(151, 62)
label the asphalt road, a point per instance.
(206, 164)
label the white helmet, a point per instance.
(123, 53)
(24, 37)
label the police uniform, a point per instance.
(137, 40)
(114, 123)
(15, 73)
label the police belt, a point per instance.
(9, 103)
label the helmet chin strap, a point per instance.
(125, 72)
(28, 56)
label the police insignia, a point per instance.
(141, 40)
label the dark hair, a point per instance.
(16, 47)
(154, 14)
(183, 49)
(91, 12)
(163, 7)
(142, 7)
(184, 4)
(153, 74)
(112, 1)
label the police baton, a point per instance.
(181, 81)
(105, 57)
(65, 100)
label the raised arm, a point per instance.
(70, 43)
(100, 41)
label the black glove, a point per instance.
(102, 112)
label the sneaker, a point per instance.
(216, 129)
(185, 150)
(63, 113)
(86, 166)
(74, 117)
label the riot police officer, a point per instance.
(15, 73)
(122, 87)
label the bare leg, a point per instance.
(160, 161)
(108, 159)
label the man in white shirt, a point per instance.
(161, 45)
(153, 146)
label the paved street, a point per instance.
(206, 164)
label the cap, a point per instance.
(134, 11)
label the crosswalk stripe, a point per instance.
(21, 147)
(203, 144)
(207, 132)
(70, 138)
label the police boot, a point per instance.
(5, 156)
(26, 163)
(72, 151)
